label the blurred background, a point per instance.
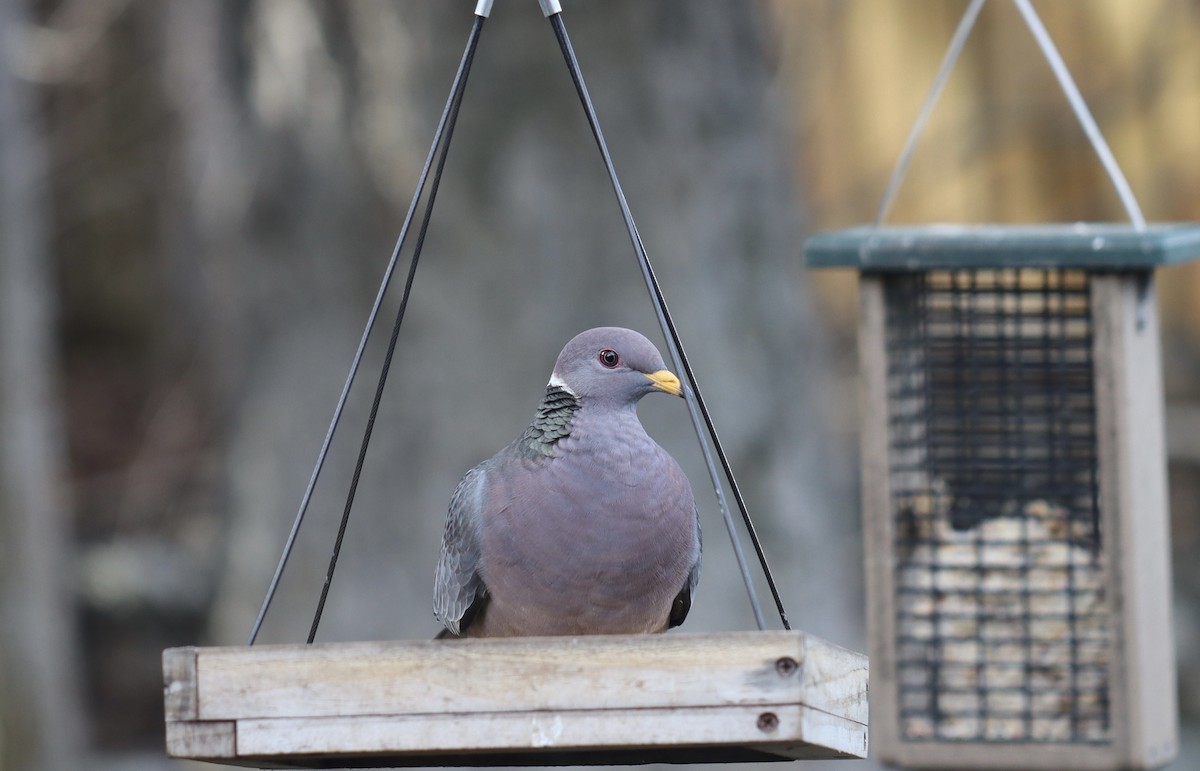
(198, 200)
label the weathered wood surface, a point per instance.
(1136, 520)
(693, 697)
(879, 535)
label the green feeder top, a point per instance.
(1073, 245)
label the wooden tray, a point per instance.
(737, 696)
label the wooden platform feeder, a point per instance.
(1014, 492)
(740, 696)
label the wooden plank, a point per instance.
(541, 757)
(743, 696)
(833, 679)
(525, 674)
(878, 535)
(824, 736)
(179, 680)
(788, 725)
(202, 740)
(1136, 527)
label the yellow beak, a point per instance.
(665, 380)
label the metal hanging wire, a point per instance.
(457, 95)
(957, 42)
(1082, 114)
(441, 138)
(1065, 81)
(695, 400)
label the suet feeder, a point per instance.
(1014, 492)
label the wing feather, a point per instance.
(459, 592)
(683, 601)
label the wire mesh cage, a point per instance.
(993, 470)
(1014, 493)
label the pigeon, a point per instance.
(584, 524)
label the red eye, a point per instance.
(609, 358)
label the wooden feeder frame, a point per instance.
(1118, 262)
(677, 698)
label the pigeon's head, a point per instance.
(612, 365)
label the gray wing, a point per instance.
(459, 592)
(683, 600)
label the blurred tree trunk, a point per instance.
(40, 714)
(304, 126)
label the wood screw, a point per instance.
(768, 722)
(786, 666)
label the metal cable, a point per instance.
(935, 91)
(695, 401)
(1082, 114)
(456, 98)
(1065, 81)
(448, 114)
